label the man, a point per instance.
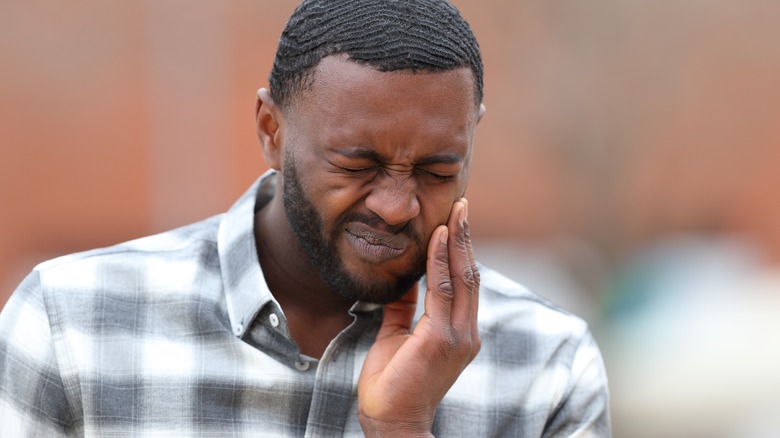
(295, 313)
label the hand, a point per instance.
(406, 374)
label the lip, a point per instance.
(373, 246)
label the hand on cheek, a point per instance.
(406, 374)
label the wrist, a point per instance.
(375, 428)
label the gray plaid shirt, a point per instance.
(178, 335)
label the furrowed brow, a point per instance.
(369, 154)
(444, 158)
(358, 152)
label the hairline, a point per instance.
(307, 78)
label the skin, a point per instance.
(379, 161)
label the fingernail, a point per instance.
(443, 237)
(462, 216)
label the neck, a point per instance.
(315, 313)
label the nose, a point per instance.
(394, 198)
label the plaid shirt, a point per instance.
(178, 335)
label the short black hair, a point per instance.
(389, 35)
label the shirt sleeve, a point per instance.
(33, 401)
(584, 410)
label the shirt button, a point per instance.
(302, 366)
(238, 329)
(274, 320)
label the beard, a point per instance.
(320, 246)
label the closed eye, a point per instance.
(438, 177)
(357, 169)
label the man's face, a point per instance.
(372, 164)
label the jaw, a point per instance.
(374, 265)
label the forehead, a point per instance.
(348, 99)
(337, 75)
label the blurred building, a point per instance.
(120, 119)
(626, 147)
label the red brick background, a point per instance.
(612, 122)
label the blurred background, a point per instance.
(627, 168)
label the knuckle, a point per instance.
(462, 343)
(462, 239)
(476, 345)
(455, 345)
(448, 345)
(442, 264)
(467, 232)
(470, 277)
(441, 344)
(445, 287)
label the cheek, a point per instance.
(334, 195)
(436, 207)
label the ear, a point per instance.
(481, 112)
(269, 122)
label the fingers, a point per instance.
(462, 267)
(453, 279)
(438, 299)
(475, 296)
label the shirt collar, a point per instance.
(246, 291)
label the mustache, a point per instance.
(380, 225)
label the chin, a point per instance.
(376, 293)
(376, 285)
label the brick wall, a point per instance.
(614, 122)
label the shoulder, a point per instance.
(141, 273)
(180, 245)
(506, 304)
(127, 287)
(538, 372)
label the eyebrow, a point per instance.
(369, 154)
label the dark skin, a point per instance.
(394, 146)
(303, 307)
